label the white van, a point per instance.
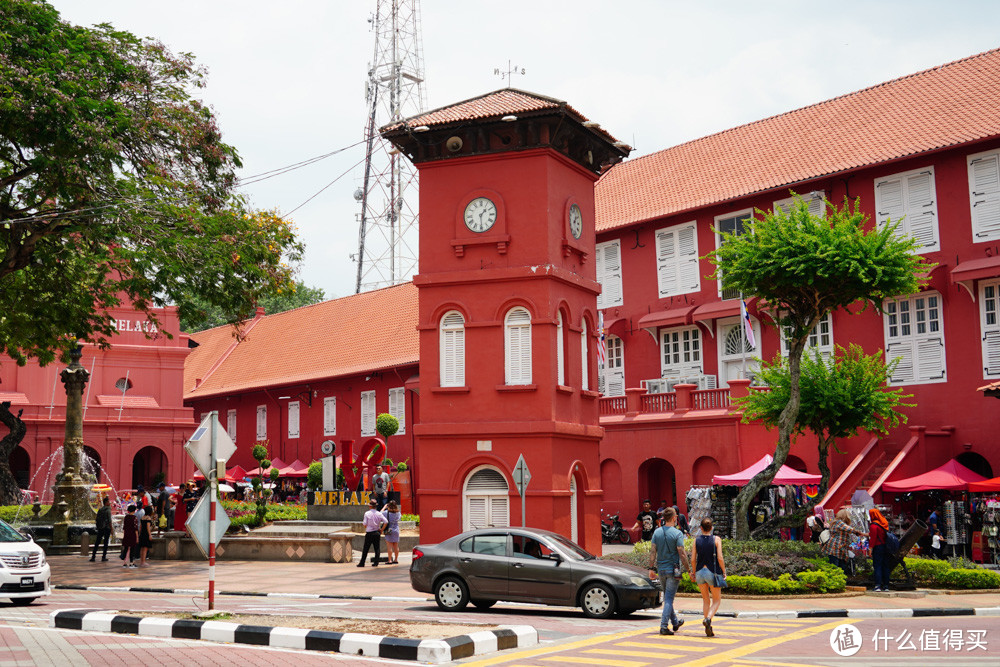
(24, 574)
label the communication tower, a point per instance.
(387, 234)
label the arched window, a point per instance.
(560, 351)
(584, 358)
(452, 349)
(487, 500)
(517, 346)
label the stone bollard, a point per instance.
(85, 544)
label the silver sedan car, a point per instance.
(527, 565)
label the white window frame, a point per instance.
(984, 195)
(368, 413)
(746, 215)
(231, 424)
(584, 356)
(612, 372)
(677, 267)
(815, 199)
(330, 415)
(681, 352)
(989, 320)
(723, 329)
(910, 198)
(914, 332)
(517, 346)
(608, 261)
(397, 407)
(820, 338)
(261, 422)
(452, 349)
(492, 503)
(294, 411)
(560, 350)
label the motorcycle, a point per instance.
(612, 531)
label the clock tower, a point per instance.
(507, 313)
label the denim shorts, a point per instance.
(704, 576)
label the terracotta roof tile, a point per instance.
(362, 332)
(936, 108)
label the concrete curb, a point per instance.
(376, 646)
(872, 613)
(200, 591)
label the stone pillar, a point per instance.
(683, 391)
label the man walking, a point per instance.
(380, 486)
(665, 559)
(103, 529)
(374, 524)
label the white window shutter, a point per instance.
(666, 262)
(921, 210)
(261, 422)
(293, 419)
(499, 512)
(889, 200)
(368, 413)
(231, 425)
(330, 415)
(599, 267)
(904, 371)
(452, 350)
(991, 353)
(615, 383)
(584, 358)
(984, 190)
(475, 512)
(517, 352)
(609, 274)
(397, 407)
(688, 273)
(930, 359)
(560, 352)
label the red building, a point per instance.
(135, 424)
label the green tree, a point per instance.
(840, 396)
(208, 316)
(805, 266)
(116, 187)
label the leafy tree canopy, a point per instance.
(207, 316)
(116, 188)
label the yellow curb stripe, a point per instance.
(530, 653)
(697, 640)
(735, 653)
(596, 661)
(673, 647)
(750, 663)
(635, 654)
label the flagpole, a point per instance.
(743, 328)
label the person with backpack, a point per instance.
(879, 539)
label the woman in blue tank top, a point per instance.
(708, 570)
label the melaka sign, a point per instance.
(134, 325)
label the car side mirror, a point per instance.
(556, 557)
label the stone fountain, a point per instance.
(71, 513)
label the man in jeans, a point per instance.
(665, 559)
(380, 487)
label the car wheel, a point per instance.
(451, 594)
(22, 602)
(483, 604)
(625, 537)
(597, 601)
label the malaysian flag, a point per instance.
(747, 326)
(602, 351)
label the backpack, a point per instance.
(891, 542)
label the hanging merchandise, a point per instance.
(699, 504)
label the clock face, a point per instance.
(575, 221)
(480, 214)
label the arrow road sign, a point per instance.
(198, 523)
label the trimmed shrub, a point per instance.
(968, 578)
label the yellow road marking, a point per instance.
(530, 653)
(634, 654)
(698, 640)
(750, 663)
(596, 661)
(741, 651)
(672, 647)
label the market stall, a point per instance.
(985, 511)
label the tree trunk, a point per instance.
(786, 424)
(10, 494)
(797, 518)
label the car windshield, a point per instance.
(8, 534)
(572, 548)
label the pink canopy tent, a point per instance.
(237, 473)
(952, 476)
(275, 463)
(295, 469)
(785, 475)
(985, 485)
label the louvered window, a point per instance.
(984, 195)
(989, 312)
(915, 336)
(820, 338)
(730, 224)
(814, 200)
(681, 352)
(293, 419)
(261, 422)
(612, 375)
(560, 351)
(910, 199)
(330, 415)
(397, 407)
(231, 424)
(677, 260)
(608, 262)
(368, 413)
(517, 347)
(486, 500)
(584, 358)
(452, 349)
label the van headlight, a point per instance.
(641, 582)
(41, 559)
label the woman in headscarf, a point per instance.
(877, 529)
(835, 548)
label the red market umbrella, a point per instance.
(237, 473)
(295, 469)
(952, 476)
(986, 485)
(785, 475)
(275, 463)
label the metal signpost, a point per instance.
(521, 478)
(210, 447)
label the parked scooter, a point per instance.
(613, 531)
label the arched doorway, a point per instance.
(611, 483)
(704, 469)
(146, 465)
(657, 482)
(92, 463)
(486, 500)
(20, 465)
(795, 463)
(976, 463)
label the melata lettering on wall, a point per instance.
(140, 326)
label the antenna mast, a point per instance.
(387, 235)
